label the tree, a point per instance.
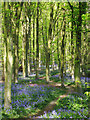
(78, 50)
(8, 58)
(72, 43)
(16, 21)
(37, 41)
(63, 48)
(25, 43)
(48, 43)
(29, 13)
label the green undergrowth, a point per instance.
(72, 106)
(55, 72)
(28, 100)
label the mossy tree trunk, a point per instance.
(44, 37)
(8, 58)
(2, 54)
(58, 48)
(63, 48)
(25, 44)
(48, 43)
(34, 39)
(84, 52)
(37, 42)
(78, 51)
(72, 43)
(29, 38)
(16, 21)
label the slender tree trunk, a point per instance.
(46, 53)
(44, 43)
(30, 42)
(39, 59)
(65, 57)
(58, 55)
(8, 59)
(23, 49)
(25, 45)
(58, 42)
(2, 59)
(29, 46)
(78, 52)
(84, 46)
(29, 39)
(48, 44)
(63, 49)
(34, 39)
(26, 65)
(37, 42)
(52, 50)
(53, 62)
(72, 43)
(16, 39)
(72, 48)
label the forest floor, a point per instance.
(52, 104)
(36, 98)
(69, 89)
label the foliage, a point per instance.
(71, 106)
(29, 99)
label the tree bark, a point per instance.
(58, 51)
(37, 42)
(16, 39)
(29, 38)
(34, 39)
(78, 52)
(8, 58)
(25, 45)
(48, 44)
(72, 43)
(63, 49)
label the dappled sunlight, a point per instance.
(44, 60)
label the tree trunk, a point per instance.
(63, 49)
(16, 39)
(34, 39)
(72, 43)
(37, 42)
(25, 45)
(58, 51)
(29, 39)
(48, 44)
(78, 52)
(8, 59)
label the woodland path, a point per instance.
(52, 104)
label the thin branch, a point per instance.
(71, 9)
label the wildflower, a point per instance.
(71, 117)
(54, 112)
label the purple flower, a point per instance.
(71, 117)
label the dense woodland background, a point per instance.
(44, 36)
